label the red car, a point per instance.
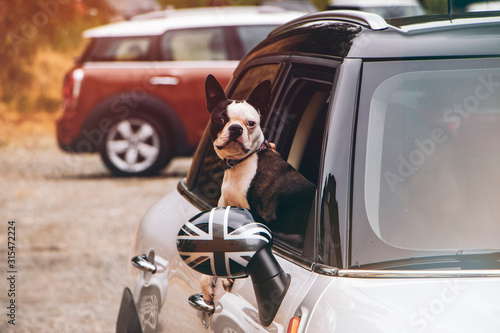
(136, 95)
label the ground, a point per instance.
(74, 225)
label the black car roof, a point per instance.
(353, 34)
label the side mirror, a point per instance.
(231, 242)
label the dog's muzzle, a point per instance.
(235, 131)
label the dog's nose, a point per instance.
(235, 130)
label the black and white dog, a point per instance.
(255, 175)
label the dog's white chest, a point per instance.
(236, 183)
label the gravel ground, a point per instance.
(74, 225)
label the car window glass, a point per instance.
(121, 49)
(430, 173)
(194, 45)
(252, 35)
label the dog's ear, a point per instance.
(214, 92)
(260, 96)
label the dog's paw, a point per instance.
(207, 285)
(227, 284)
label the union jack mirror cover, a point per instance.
(221, 241)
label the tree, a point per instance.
(30, 25)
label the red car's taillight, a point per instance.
(71, 85)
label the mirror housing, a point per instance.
(232, 242)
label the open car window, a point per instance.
(295, 125)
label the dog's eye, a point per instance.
(251, 123)
(220, 121)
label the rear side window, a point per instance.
(194, 45)
(121, 49)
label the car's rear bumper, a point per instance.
(71, 139)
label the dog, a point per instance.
(255, 175)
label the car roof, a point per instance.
(170, 12)
(195, 18)
(371, 3)
(483, 6)
(355, 34)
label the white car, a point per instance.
(384, 8)
(397, 126)
(483, 6)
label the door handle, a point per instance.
(198, 302)
(143, 264)
(164, 81)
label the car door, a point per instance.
(302, 94)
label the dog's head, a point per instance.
(235, 125)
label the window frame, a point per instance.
(307, 257)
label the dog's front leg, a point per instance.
(227, 284)
(207, 285)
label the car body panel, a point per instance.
(406, 305)
(428, 41)
(166, 217)
(185, 91)
(240, 305)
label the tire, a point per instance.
(135, 146)
(148, 308)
